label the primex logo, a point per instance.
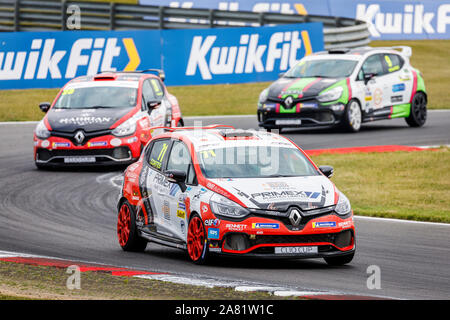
(42, 59)
(248, 55)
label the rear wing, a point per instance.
(404, 50)
(212, 126)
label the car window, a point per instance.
(158, 153)
(393, 62)
(152, 90)
(372, 65)
(180, 159)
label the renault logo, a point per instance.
(295, 217)
(288, 102)
(79, 137)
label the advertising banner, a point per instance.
(188, 57)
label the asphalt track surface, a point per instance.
(71, 214)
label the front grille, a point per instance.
(116, 153)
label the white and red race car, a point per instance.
(218, 190)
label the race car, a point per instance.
(345, 88)
(104, 119)
(222, 191)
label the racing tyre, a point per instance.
(418, 114)
(339, 261)
(126, 230)
(196, 240)
(352, 118)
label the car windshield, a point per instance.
(324, 68)
(97, 97)
(254, 162)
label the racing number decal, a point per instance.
(157, 163)
(391, 67)
(207, 153)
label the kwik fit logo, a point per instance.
(43, 61)
(249, 55)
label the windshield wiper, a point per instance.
(99, 107)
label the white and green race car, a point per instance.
(346, 87)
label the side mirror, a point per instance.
(368, 77)
(178, 177)
(328, 171)
(44, 106)
(153, 104)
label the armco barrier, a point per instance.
(387, 19)
(188, 56)
(33, 15)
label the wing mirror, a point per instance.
(368, 77)
(178, 177)
(328, 171)
(153, 104)
(44, 106)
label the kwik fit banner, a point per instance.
(387, 19)
(188, 57)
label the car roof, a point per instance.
(219, 138)
(121, 76)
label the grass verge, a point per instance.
(429, 56)
(20, 281)
(403, 185)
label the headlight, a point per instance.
(225, 207)
(126, 128)
(330, 95)
(343, 206)
(263, 96)
(42, 131)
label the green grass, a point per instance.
(404, 185)
(429, 56)
(20, 281)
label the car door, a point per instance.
(399, 88)
(179, 159)
(373, 89)
(156, 186)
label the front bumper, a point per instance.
(103, 150)
(328, 235)
(310, 113)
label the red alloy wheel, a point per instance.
(195, 238)
(123, 225)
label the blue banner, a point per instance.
(188, 57)
(387, 19)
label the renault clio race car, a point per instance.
(233, 192)
(346, 88)
(104, 119)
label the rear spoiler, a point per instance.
(212, 126)
(404, 50)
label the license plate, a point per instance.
(288, 122)
(296, 250)
(79, 159)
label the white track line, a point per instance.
(393, 220)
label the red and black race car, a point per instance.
(233, 192)
(104, 119)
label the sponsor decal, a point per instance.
(81, 121)
(115, 142)
(395, 99)
(97, 144)
(181, 214)
(304, 195)
(346, 224)
(212, 222)
(398, 87)
(235, 227)
(60, 144)
(205, 208)
(166, 209)
(258, 225)
(213, 233)
(324, 224)
(174, 188)
(309, 105)
(182, 226)
(132, 140)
